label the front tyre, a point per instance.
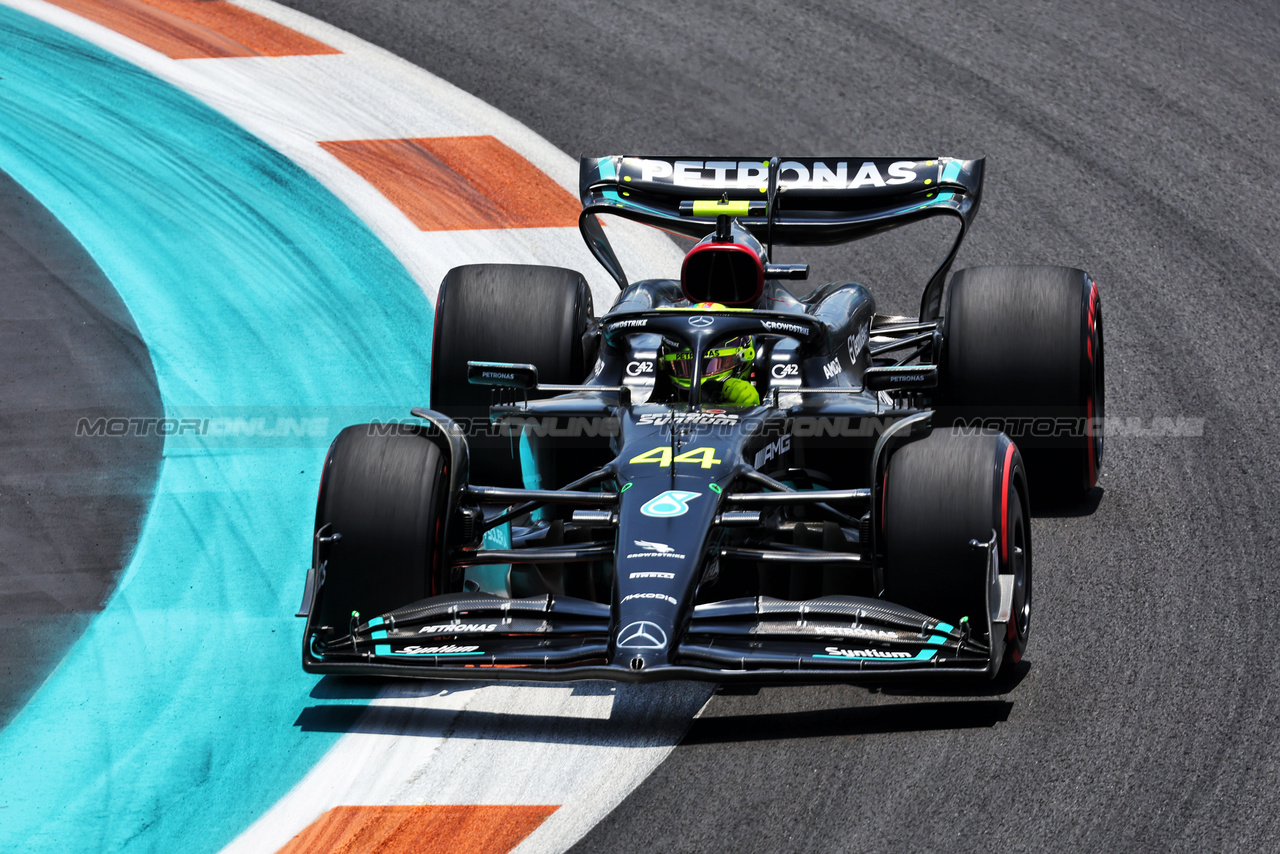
(383, 501)
(941, 494)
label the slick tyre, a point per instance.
(1023, 353)
(505, 313)
(941, 494)
(383, 498)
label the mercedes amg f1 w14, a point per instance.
(717, 479)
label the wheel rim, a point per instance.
(1020, 565)
(1095, 403)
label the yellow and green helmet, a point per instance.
(733, 358)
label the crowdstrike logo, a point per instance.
(642, 635)
(780, 326)
(654, 550)
(654, 547)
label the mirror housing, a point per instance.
(503, 375)
(904, 378)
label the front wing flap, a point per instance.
(551, 638)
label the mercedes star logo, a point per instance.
(701, 321)
(642, 635)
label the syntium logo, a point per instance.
(837, 652)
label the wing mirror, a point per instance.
(503, 375)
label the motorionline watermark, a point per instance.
(1067, 427)
(816, 426)
(223, 427)
(300, 429)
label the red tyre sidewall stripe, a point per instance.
(1091, 448)
(1004, 503)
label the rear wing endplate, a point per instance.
(808, 200)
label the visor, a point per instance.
(680, 365)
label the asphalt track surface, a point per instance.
(1135, 142)
(71, 507)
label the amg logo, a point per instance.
(773, 449)
(830, 369)
(457, 628)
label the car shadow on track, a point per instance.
(862, 720)
(659, 712)
(1086, 506)
(418, 722)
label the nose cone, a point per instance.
(662, 533)
(641, 644)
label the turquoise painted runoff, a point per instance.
(172, 724)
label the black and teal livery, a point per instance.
(855, 526)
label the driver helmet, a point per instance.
(733, 358)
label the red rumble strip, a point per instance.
(196, 29)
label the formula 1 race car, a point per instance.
(717, 480)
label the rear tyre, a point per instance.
(1023, 354)
(941, 493)
(384, 499)
(505, 313)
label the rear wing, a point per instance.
(799, 201)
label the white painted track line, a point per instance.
(583, 748)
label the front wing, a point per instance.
(841, 639)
